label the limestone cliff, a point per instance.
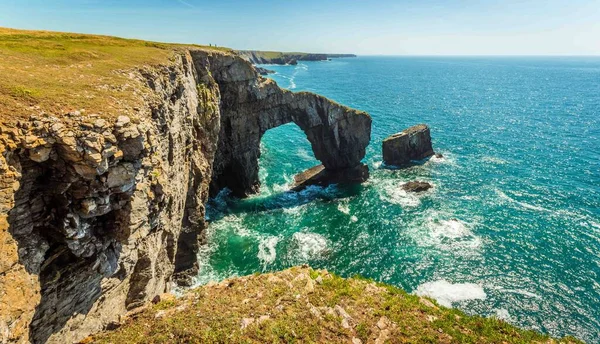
(100, 214)
(252, 105)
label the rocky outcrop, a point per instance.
(320, 176)
(409, 145)
(264, 71)
(251, 105)
(416, 186)
(101, 214)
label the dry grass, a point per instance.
(298, 306)
(60, 72)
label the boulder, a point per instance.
(319, 175)
(416, 186)
(411, 144)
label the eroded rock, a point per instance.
(252, 105)
(100, 215)
(409, 145)
(416, 186)
(321, 176)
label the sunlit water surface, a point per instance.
(511, 228)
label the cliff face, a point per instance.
(252, 105)
(100, 215)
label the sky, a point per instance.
(386, 27)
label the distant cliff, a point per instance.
(274, 57)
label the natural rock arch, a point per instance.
(251, 105)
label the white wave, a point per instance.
(344, 208)
(309, 245)
(292, 78)
(518, 291)
(295, 211)
(231, 223)
(391, 191)
(267, 249)
(524, 205)
(502, 314)
(595, 224)
(494, 160)
(452, 229)
(304, 155)
(353, 218)
(446, 293)
(434, 229)
(446, 158)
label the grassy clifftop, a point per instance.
(304, 305)
(61, 72)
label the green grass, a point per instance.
(213, 314)
(61, 72)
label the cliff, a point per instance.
(109, 149)
(273, 57)
(309, 306)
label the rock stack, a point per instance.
(409, 145)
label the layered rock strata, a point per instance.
(252, 105)
(409, 145)
(99, 215)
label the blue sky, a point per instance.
(459, 27)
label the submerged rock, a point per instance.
(416, 186)
(319, 175)
(413, 143)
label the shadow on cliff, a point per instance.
(70, 265)
(225, 204)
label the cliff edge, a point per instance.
(302, 305)
(109, 149)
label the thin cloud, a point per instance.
(186, 3)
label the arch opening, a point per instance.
(284, 152)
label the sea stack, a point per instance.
(411, 144)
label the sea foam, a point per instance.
(309, 245)
(446, 293)
(267, 249)
(390, 191)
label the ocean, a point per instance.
(511, 228)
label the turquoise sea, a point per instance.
(511, 228)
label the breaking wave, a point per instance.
(446, 293)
